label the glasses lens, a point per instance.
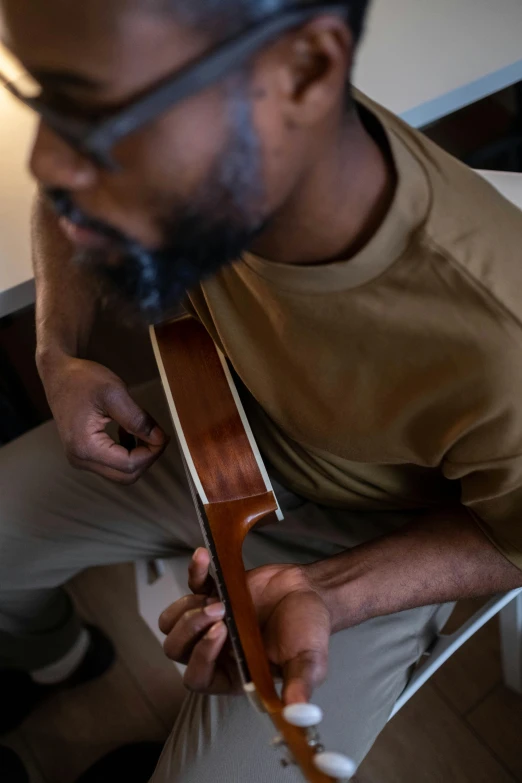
(13, 73)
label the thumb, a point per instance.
(119, 405)
(302, 674)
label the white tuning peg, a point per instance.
(335, 765)
(304, 716)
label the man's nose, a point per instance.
(55, 164)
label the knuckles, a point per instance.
(184, 633)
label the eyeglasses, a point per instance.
(96, 139)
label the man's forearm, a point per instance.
(65, 296)
(442, 557)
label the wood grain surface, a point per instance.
(212, 425)
(209, 422)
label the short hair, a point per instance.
(227, 17)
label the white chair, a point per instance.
(509, 606)
(162, 582)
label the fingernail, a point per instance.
(158, 435)
(215, 631)
(215, 610)
(195, 555)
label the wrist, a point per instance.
(50, 358)
(347, 586)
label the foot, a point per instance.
(11, 768)
(20, 694)
(132, 763)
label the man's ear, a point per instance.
(318, 63)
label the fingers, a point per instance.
(186, 631)
(202, 666)
(199, 579)
(302, 674)
(196, 634)
(84, 397)
(198, 575)
(96, 451)
(117, 403)
(175, 612)
(100, 454)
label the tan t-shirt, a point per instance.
(392, 380)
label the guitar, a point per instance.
(232, 493)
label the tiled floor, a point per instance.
(463, 727)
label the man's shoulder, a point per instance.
(469, 223)
(478, 232)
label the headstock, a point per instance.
(305, 719)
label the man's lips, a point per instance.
(85, 238)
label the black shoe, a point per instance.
(132, 763)
(11, 768)
(20, 694)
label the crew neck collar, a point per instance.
(408, 210)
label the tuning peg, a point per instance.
(304, 716)
(335, 765)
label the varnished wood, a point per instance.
(230, 523)
(212, 432)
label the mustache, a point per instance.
(63, 205)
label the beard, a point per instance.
(199, 239)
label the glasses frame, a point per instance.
(96, 139)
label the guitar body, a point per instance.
(233, 494)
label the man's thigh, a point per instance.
(222, 739)
(68, 519)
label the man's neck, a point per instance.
(337, 206)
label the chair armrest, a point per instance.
(446, 645)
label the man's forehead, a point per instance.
(129, 41)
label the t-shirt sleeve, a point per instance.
(492, 491)
(486, 456)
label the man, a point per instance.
(363, 284)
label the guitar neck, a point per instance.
(219, 580)
(232, 493)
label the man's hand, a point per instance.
(294, 620)
(84, 398)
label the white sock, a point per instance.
(60, 670)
